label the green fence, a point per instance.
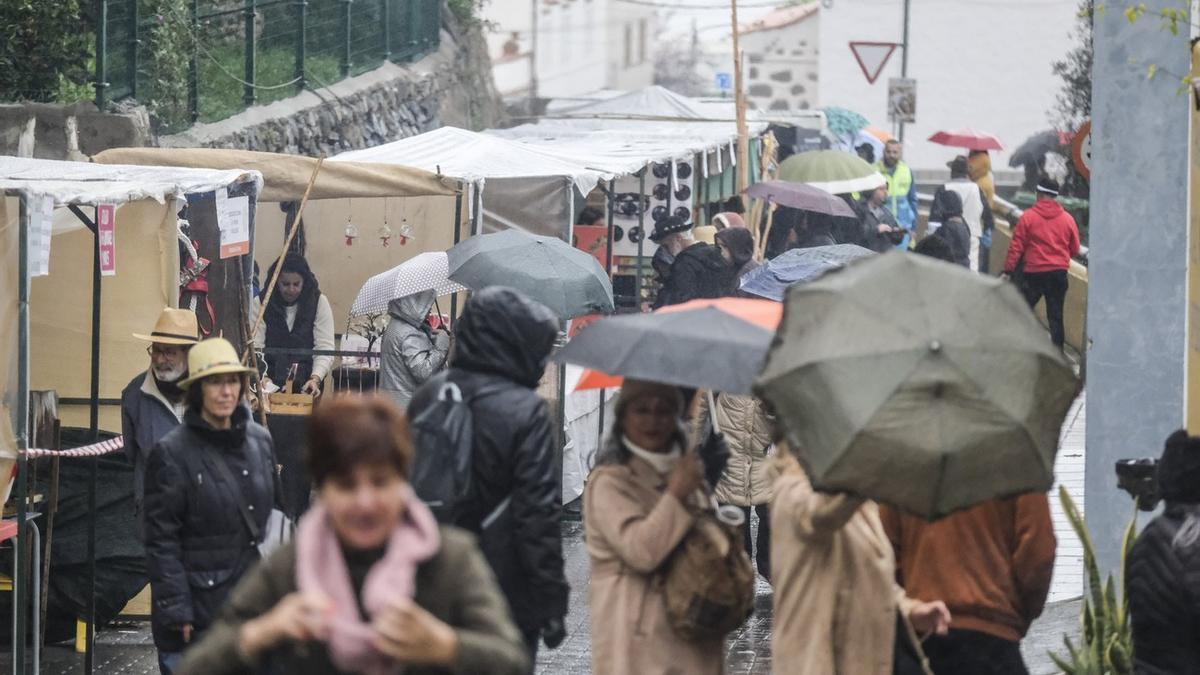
(204, 60)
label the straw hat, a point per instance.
(214, 356)
(174, 327)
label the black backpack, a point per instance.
(443, 435)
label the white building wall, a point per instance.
(782, 66)
(572, 39)
(632, 36)
(978, 63)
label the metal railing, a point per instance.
(205, 60)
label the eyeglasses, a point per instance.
(155, 350)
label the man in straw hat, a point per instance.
(152, 403)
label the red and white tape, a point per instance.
(94, 450)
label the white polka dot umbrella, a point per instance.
(423, 272)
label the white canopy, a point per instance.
(653, 102)
(85, 183)
(472, 156)
(525, 189)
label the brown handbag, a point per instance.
(708, 582)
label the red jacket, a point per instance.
(1047, 236)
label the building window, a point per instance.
(642, 41)
(628, 45)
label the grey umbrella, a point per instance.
(567, 280)
(801, 196)
(702, 348)
(919, 384)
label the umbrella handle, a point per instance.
(712, 411)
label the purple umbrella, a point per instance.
(800, 196)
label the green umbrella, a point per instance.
(919, 384)
(833, 171)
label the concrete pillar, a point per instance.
(1138, 259)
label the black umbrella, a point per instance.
(567, 280)
(1034, 147)
(702, 348)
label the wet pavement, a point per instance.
(128, 649)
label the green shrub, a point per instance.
(44, 48)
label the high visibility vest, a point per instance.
(899, 182)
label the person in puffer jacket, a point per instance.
(1044, 241)
(745, 483)
(1163, 569)
(412, 352)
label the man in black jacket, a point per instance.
(698, 270)
(1163, 569)
(502, 343)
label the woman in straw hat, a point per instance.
(210, 487)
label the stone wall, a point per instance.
(452, 86)
(50, 131)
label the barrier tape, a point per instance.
(94, 450)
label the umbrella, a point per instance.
(567, 280)
(423, 272)
(843, 121)
(833, 171)
(799, 265)
(967, 138)
(919, 384)
(703, 347)
(800, 196)
(882, 135)
(1037, 145)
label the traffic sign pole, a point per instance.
(904, 59)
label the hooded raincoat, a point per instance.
(411, 351)
(503, 342)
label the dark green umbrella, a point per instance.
(702, 348)
(567, 280)
(919, 384)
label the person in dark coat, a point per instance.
(370, 583)
(412, 351)
(298, 316)
(880, 231)
(954, 230)
(737, 248)
(698, 270)
(152, 403)
(210, 487)
(502, 343)
(1163, 569)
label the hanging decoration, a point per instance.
(351, 228)
(406, 232)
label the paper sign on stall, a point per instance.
(41, 225)
(106, 230)
(233, 219)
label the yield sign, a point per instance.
(872, 56)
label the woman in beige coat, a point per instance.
(746, 482)
(838, 609)
(636, 510)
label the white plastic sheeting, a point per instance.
(519, 186)
(85, 183)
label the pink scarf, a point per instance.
(321, 568)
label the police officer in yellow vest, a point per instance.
(902, 189)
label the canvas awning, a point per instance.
(286, 176)
(83, 183)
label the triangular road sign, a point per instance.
(872, 56)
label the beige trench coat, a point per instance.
(747, 477)
(836, 596)
(632, 525)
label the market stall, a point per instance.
(74, 320)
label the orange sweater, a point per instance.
(991, 564)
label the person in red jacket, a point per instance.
(1045, 239)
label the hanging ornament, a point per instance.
(406, 232)
(385, 235)
(351, 233)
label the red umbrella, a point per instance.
(967, 138)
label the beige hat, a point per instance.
(214, 356)
(174, 327)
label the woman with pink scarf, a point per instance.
(371, 584)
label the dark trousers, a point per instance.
(759, 547)
(969, 652)
(532, 638)
(1053, 287)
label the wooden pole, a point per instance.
(743, 134)
(262, 307)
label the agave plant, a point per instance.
(1107, 645)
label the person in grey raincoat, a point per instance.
(412, 351)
